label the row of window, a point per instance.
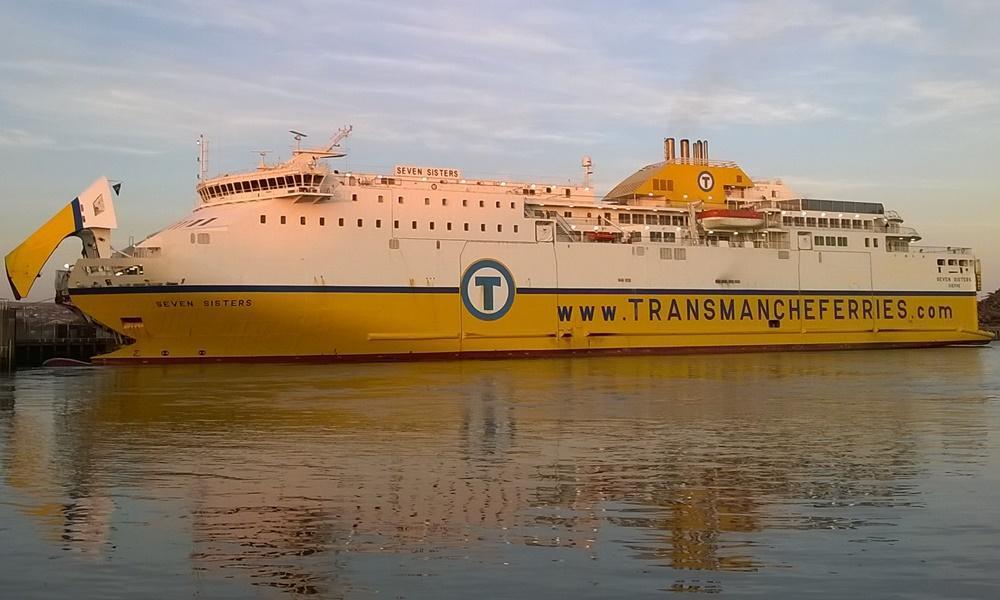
(262, 185)
(431, 225)
(427, 201)
(639, 219)
(826, 222)
(830, 240)
(663, 185)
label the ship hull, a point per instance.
(329, 324)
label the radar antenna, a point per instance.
(298, 138)
(263, 154)
(588, 170)
(342, 133)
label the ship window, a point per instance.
(652, 219)
(244, 184)
(810, 221)
(799, 221)
(669, 236)
(868, 242)
(787, 221)
(482, 226)
(354, 197)
(432, 225)
(499, 228)
(395, 224)
(444, 202)
(868, 225)
(466, 226)
(378, 223)
(263, 219)
(774, 194)
(568, 214)
(193, 239)
(427, 201)
(823, 222)
(841, 241)
(281, 181)
(361, 222)
(624, 218)
(302, 220)
(255, 185)
(340, 222)
(656, 236)
(513, 205)
(656, 185)
(680, 254)
(298, 179)
(845, 223)
(663, 220)
(678, 220)
(831, 240)
(307, 179)
(322, 221)
(515, 228)
(481, 204)
(670, 185)
(465, 202)
(283, 221)
(400, 200)
(941, 262)
(272, 183)
(498, 205)
(951, 262)
(856, 224)
(666, 254)
(413, 224)
(317, 179)
(448, 226)
(203, 238)
(818, 240)
(229, 188)
(381, 199)
(567, 192)
(739, 179)
(875, 242)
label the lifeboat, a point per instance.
(731, 219)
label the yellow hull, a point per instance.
(328, 324)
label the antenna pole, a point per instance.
(588, 170)
(202, 157)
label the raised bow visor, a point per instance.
(90, 217)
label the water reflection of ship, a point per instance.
(286, 465)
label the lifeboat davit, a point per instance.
(722, 218)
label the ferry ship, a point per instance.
(300, 261)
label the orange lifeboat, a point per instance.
(722, 218)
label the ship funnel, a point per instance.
(704, 151)
(685, 150)
(697, 152)
(669, 149)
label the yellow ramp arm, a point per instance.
(25, 262)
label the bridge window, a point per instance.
(255, 185)
(281, 182)
(272, 183)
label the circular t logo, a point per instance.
(487, 289)
(705, 181)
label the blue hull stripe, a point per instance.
(351, 289)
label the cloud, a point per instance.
(946, 99)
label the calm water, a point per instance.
(872, 474)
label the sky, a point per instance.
(892, 101)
